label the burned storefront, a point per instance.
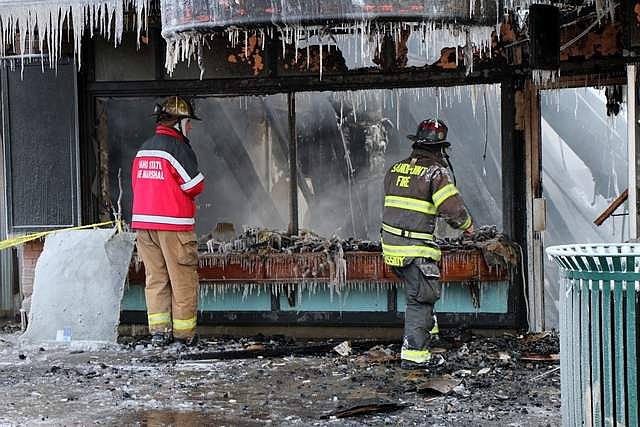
(304, 106)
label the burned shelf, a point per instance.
(456, 266)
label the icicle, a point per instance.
(321, 59)
(361, 40)
(397, 109)
(486, 131)
(246, 44)
(23, 18)
(544, 77)
(474, 100)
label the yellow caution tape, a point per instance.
(9, 243)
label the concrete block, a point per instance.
(79, 283)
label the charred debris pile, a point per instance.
(498, 251)
(259, 260)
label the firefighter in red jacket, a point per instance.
(165, 181)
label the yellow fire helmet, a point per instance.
(175, 107)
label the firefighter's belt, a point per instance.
(406, 233)
(393, 253)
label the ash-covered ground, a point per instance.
(494, 381)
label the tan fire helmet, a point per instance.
(175, 107)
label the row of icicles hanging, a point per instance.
(38, 30)
(33, 28)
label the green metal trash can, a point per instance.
(598, 333)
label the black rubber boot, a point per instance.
(435, 361)
(189, 342)
(161, 339)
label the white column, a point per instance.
(533, 171)
(632, 134)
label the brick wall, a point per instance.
(28, 256)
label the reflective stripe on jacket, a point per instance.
(417, 191)
(165, 180)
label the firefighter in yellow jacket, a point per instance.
(417, 191)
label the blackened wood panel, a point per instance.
(41, 145)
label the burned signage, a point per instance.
(180, 14)
(188, 25)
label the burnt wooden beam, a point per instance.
(514, 206)
(528, 119)
(101, 146)
(630, 28)
(612, 208)
(265, 85)
(159, 51)
(633, 149)
(89, 161)
(598, 69)
(388, 54)
(544, 37)
(273, 52)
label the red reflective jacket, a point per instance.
(165, 180)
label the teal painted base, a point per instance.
(257, 298)
(348, 300)
(457, 298)
(133, 299)
(236, 298)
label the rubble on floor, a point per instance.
(135, 384)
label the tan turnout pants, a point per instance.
(170, 260)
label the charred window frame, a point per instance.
(270, 83)
(514, 206)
